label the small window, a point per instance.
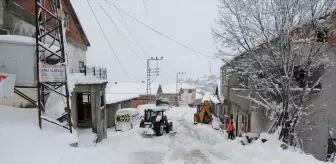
(67, 21)
(3, 32)
(86, 97)
(81, 64)
(189, 91)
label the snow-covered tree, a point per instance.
(285, 51)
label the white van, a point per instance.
(126, 118)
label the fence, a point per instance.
(100, 73)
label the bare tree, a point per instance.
(286, 41)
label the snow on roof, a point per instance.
(186, 86)
(131, 110)
(169, 89)
(115, 98)
(131, 88)
(80, 78)
(16, 39)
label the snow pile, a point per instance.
(215, 123)
(16, 39)
(130, 88)
(80, 78)
(146, 131)
(115, 98)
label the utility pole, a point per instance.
(152, 72)
(177, 86)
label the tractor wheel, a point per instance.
(167, 127)
(142, 124)
(158, 128)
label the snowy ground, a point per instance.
(22, 142)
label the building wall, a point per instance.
(240, 106)
(314, 128)
(141, 100)
(188, 98)
(74, 33)
(18, 22)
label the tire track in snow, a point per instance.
(190, 144)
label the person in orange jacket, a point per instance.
(230, 129)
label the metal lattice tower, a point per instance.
(50, 33)
(152, 72)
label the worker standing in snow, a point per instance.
(230, 129)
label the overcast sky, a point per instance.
(186, 21)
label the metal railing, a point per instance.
(98, 72)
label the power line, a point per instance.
(101, 28)
(118, 31)
(158, 32)
(128, 29)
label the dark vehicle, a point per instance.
(157, 120)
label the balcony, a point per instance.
(98, 72)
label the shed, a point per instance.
(88, 103)
(115, 102)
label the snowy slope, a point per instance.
(22, 142)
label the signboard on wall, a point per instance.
(52, 73)
(7, 83)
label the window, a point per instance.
(3, 32)
(67, 21)
(301, 77)
(86, 97)
(81, 64)
(81, 67)
(189, 91)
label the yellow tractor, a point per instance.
(203, 114)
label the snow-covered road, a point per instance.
(22, 142)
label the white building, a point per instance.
(188, 95)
